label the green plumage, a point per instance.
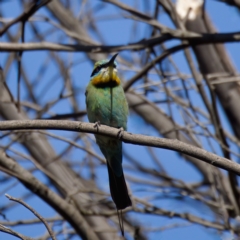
(106, 103)
(108, 107)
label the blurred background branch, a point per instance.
(181, 83)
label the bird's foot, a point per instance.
(97, 125)
(120, 133)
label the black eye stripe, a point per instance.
(98, 68)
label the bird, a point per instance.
(106, 104)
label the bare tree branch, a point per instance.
(137, 139)
(14, 233)
(62, 206)
(34, 212)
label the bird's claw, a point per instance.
(120, 133)
(97, 125)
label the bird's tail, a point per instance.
(118, 189)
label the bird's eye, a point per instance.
(96, 70)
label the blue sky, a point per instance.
(114, 30)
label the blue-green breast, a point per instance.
(107, 105)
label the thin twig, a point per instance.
(14, 233)
(34, 212)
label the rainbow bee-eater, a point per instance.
(107, 104)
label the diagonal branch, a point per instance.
(67, 210)
(34, 212)
(25, 15)
(13, 233)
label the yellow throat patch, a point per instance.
(106, 76)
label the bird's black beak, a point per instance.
(111, 61)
